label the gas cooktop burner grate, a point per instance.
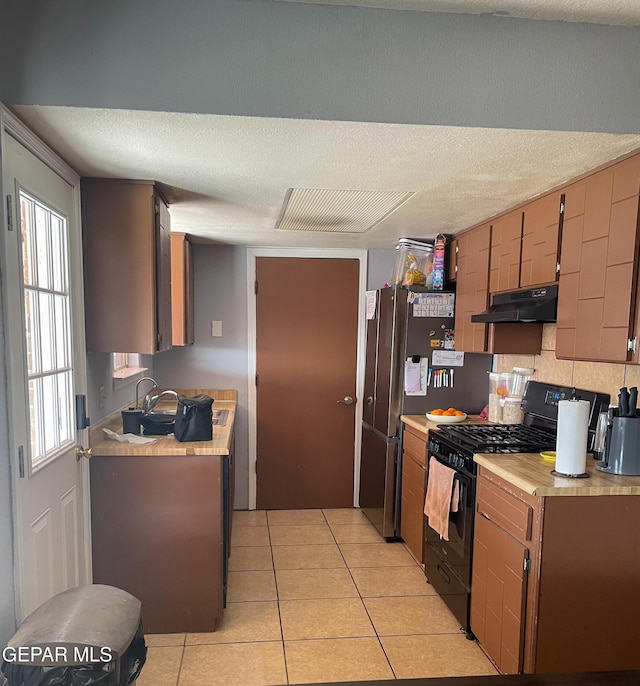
(499, 438)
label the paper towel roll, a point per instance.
(573, 433)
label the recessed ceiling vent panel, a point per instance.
(316, 209)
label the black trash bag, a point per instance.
(194, 418)
(120, 672)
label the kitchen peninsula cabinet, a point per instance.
(599, 266)
(161, 523)
(127, 266)
(182, 290)
(414, 483)
(556, 570)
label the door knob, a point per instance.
(82, 452)
(347, 400)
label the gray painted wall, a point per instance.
(266, 58)
(221, 294)
(380, 264)
(99, 374)
(220, 274)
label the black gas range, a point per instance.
(448, 563)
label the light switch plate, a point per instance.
(216, 329)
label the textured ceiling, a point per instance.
(226, 177)
(622, 12)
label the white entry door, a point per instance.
(46, 370)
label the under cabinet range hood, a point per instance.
(534, 305)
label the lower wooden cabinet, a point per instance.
(414, 449)
(555, 580)
(160, 529)
(499, 591)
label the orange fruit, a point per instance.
(458, 413)
(438, 411)
(451, 409)
(447, 413)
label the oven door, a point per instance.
(456, 552)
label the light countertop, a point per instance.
(220, 444)
(421, 423)
(532, 474)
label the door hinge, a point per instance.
(156, 208)
(631, 344)
(21, 462)
(9, 213)
(527, 564)
(256, 379)
(562, 207)
(557, 267)
(255, 287)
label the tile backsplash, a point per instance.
(603, 377)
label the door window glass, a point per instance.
(47, 318)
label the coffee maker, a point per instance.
(617, 444)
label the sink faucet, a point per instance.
(150, 402)
(144, 378)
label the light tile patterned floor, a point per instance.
(317, 596)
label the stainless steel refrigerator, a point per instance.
(400, 331)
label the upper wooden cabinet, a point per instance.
(472, 288)
(127, 266)
(597, 317)
(540, 241)
(506, 246)
(525, 244)
(452, 259)
(182, 290)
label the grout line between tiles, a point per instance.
(181, 661)
(364, 605)
(275, 579)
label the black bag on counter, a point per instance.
(194, 419)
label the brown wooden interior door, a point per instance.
(306, 345)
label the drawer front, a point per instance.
(415, 445)
(505, 510)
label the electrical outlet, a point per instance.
(102, 397)
(216, 329)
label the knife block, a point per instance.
(621, 455)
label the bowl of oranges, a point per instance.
(449, 416)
